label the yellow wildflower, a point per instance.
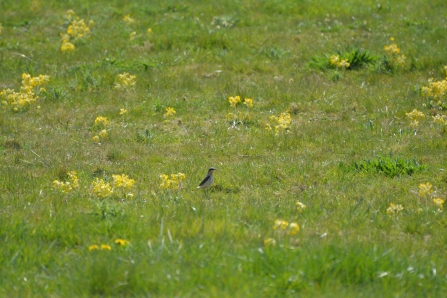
(415, 116)
(106, 247)
(122, 181)
(280, 224)
(165, 181)
(93, 247)
(400, 60)
(101, 189)
(392, 49)
(69, 14)
(439, 119)
(394, 209)
(436, 90)
(101, 121)
(334, 59)
(172, 183)
(68, 185)
(67, 47)
(78, 29)
(96, 139)
(18, 100)
(123, 111)
(269, 242)
(283, 122)
(231, 116)
(65, 37)
(132, 35)
(125, 80)
(341, 63)
(31, 82)
(149, 30)
(294, 228)
(344, 63)
(234, 100)
(425, 189)
(127, 19)
(439, 202)
(170, 112)
(300, 206)
(248, 102)
(122, 242)
(103, 134)
(178, 177)
(62, 186)
(74, 179)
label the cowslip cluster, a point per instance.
(439, 202)
(173, 182)
(101, 123)
(76, 30)
(125, 81)
(28, 93)
(239, 116)
(426, 191)
(440, 119)
(67, 186)
(415, 116)
(281, 123)
(281, 228)
(121, 183)
(235, 100)
(340, 63)
(128, 20)
(437, 91)
(393, 52)
(394, 209)
(101, 189)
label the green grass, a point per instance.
(334, 157)
(390, 167)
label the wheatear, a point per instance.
(208, 179)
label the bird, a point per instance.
(208, 179)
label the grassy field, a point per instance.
(326, 121)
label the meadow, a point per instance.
(326, 121)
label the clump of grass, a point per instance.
(354, 59)
(360, 58)
(388, 166)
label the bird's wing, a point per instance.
(207, 178)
